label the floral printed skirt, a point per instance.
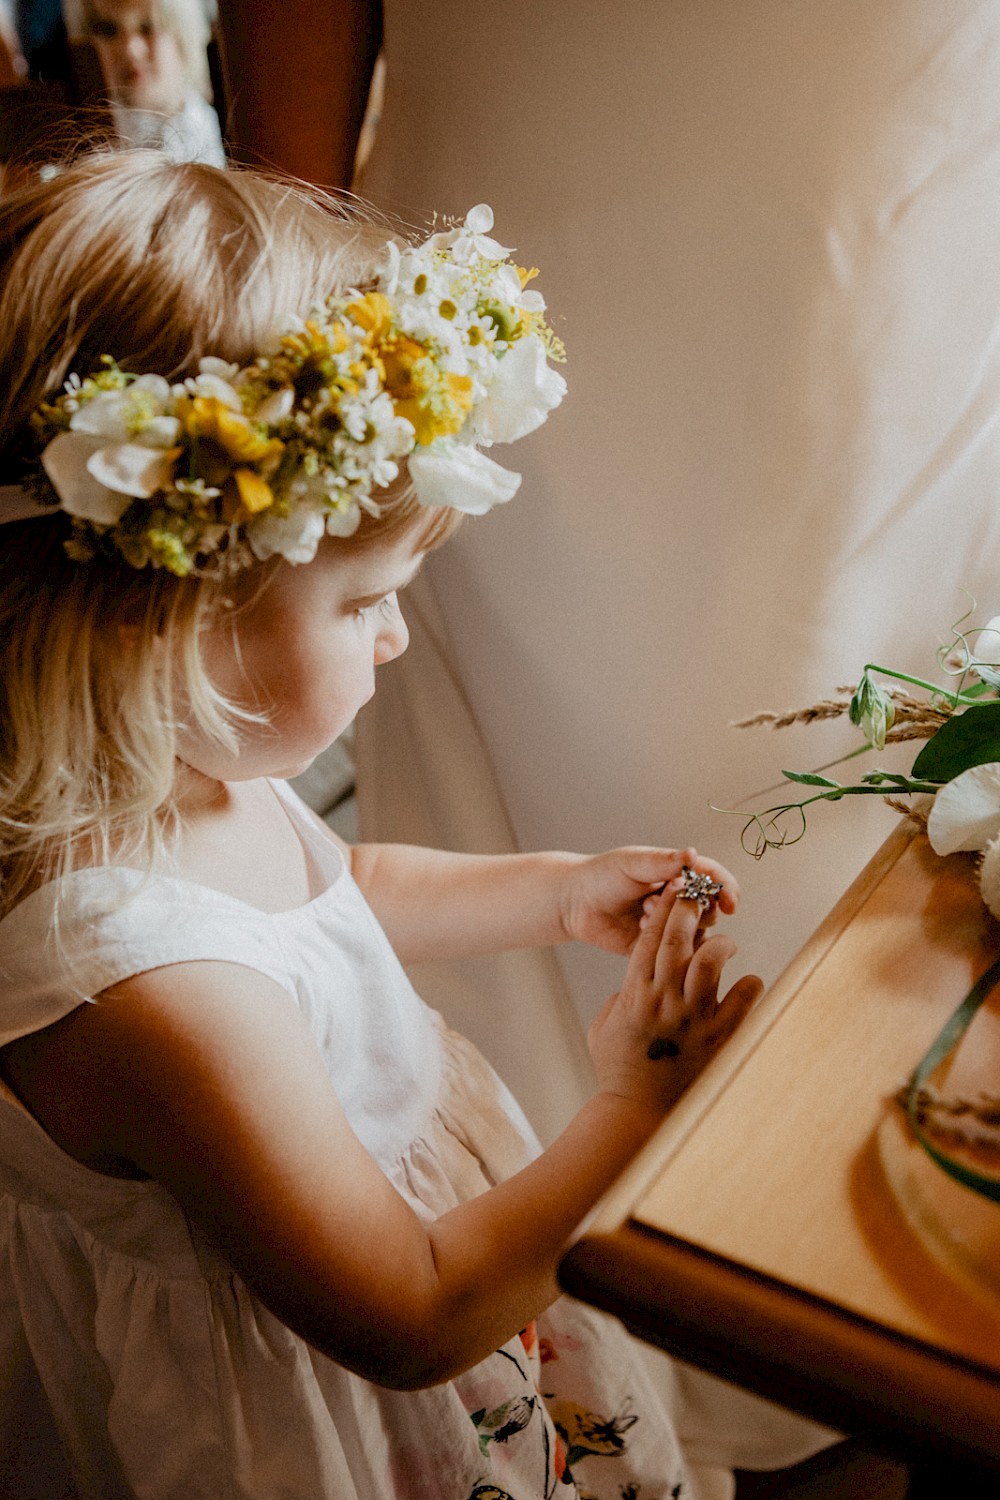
(566, 1410)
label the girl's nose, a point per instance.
(137, 49)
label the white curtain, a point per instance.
(770, 236)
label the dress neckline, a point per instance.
(323, 854)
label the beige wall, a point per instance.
(770, 235)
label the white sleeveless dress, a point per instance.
(135, 1363)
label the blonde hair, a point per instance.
(157, 264)
(184, 20)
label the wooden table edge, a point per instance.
(778, 1340)
(790, 1346)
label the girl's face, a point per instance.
(303, 650)
(141, 62)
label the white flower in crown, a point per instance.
(214, 378)
(449, 353)
(457, 475)
(472, 239)
(294, 536)
(524, 390)
(120, 445)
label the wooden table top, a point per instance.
(783, 1230)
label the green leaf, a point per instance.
(810, 778)
(963, 741)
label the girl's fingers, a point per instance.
(678, 942)
(716, 1021)
(733, 1009)
(744, 995)
(679, 966)
(701, 982)
(643, 959)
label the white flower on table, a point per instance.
(985, 660)
(965, 815)
(989, 877)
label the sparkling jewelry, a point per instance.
(700, 888)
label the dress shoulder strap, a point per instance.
(74, 937)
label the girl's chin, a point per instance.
(289, 773)
(291, 769)
(258, 762)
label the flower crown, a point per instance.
(446, 355)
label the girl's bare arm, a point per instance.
(435, 904)
(206, 1077)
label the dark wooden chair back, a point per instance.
(43, 123)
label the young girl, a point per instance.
(153, 55)
(268, 1229)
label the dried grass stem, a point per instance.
(915, 718)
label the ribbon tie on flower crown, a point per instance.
(448, 353)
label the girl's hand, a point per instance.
(655, 1036)
(604, 896)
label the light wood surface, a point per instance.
(783, 1202)
(784, 1171)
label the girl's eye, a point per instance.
(384, 608)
